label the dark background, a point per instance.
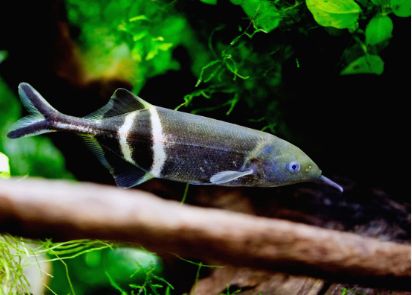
(355, 127)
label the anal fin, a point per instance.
(125, 174)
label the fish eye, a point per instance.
(294, 167)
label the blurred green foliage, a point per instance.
(3, 55)
(94, 270)
(211, 2)
(134, 38)
(140, 36)
(4, 166)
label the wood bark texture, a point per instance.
(65, 210)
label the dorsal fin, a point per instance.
(122, 102)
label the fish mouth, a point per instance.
(331, 183)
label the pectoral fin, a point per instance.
(228, 176)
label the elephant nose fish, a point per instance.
(137, 141)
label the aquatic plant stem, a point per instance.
(66, 210)
(185, 193)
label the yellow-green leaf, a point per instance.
(4, 166)
(138, 18)
(401, 8)
(339, 14)
(165, 46)
(367, 64)
(378, 30)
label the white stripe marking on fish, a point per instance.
(123, 133)
(159, 154)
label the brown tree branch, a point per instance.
(63, 210)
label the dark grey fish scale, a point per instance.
(140, 140)
(107, 137)
(198, 147)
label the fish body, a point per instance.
(137, 141)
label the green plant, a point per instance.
(136, 38)
(140, 36)
(369, 40)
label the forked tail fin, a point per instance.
(37, 122)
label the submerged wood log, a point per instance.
(366, 212)
(229, 280)
(63, 210)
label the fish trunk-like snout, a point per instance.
(330, 182)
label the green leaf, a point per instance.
(126, 263)
(340, 14)
(264, 15)
(35, 156)
(367, 64)
(401, 8)
(210, 2)
(378, 30)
